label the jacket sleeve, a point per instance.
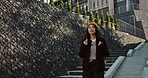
(105, 51)
(82, 50)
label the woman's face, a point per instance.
(91, 30)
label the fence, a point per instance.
(133, 30)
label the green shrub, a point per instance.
(77, 8)
(117, 25)
(61, 4)
(51, 2)
(84, 12)
(97, 20)
(42, 0)
(112, 22)
(108, 23)
(102, 19)
(91, 16)
(69, 5)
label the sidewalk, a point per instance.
(133, 67)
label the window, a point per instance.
(81, 9)
(120, 0)
(65, 4)
(137, 1)
(87, 7)
(102, 3)
(94, 4)
(98, 3)
(106, 2)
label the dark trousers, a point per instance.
(93, 72)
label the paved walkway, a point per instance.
(133, 67)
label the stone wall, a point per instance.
(38, 40)
(142, 16)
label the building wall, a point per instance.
(143, 5)
(111, 7)
(97, 4)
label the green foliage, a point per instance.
(97, 20)
(61, 4)
(77, 8)
(84, 12)
(69, 5)
(51, 2)
(91, 16)
(112, 22)
(102, 19)
(117, 25)
(42, 0)
(108, 23)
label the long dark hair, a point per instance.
(97, 33)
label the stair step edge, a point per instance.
(71, 76)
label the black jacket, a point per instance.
(101, 52)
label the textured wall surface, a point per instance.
(38, 40)
(142, 16)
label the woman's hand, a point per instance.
(85, 42)
(99, 43)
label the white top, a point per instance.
(93, 50)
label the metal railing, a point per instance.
(133, 30)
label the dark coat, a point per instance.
(101, 52)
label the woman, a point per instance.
(93, 50)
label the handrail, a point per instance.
(133, 30)
(112, 70)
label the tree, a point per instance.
(69, 5)
(51, 2)
(97, 20)
(91, 16)
(84, 12)
(102, 19)
(42, 0)
(61, 4)
(77, 8)
(112, 22)
(108, 23)
(117, 25)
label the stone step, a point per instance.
(108, 64)
(118, 50)
(116, 55)
(71, 76)
(110, 61)
(110, 58)
(75, 72)
(107, 67)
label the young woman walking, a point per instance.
(93, 50)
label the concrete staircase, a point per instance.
(77, 73)
(135, 65)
